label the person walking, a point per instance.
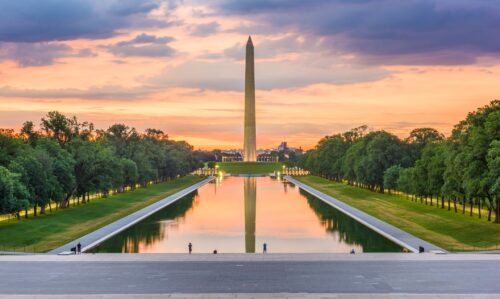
(264, 248)
(190, 247)
(79, 248)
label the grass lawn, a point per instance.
(249, 167)
(447, 229)
(42, 233)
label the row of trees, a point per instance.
(67, 159)
(464, 167)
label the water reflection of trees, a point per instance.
(349, 230)
(151, 230)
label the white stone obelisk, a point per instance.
(249, 144)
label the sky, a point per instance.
(322, 66)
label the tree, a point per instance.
(391, 177)
(36, 174)
(63, 166)
(13, 194)
(452, 178)
(61, 128)
(405, 181)
(331, 150)
(57, 126)
(418, 139)
(28, 133)
(10, 147)
(382, 151)
(352, 156)
(494, 177)
(475, 134)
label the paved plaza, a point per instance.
(395, 273)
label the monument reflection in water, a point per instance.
(250, 193)
(239, 214)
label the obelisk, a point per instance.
(249, 144)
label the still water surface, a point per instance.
(237, 214)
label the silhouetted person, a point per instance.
(79, 248)
(264, 248)
(352, 251)
(190, 247)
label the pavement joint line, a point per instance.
(96, 237)
(239, 258)
(259, 295)
(368, 220)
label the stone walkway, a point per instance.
(90, 240)
(390, 232)
(250, 257)
(396, 274)
(258, 296)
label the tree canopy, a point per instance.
(66, 158)
(463, 167)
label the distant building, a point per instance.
(231, 156)
(283, 147)
(267, 158)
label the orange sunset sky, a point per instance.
(322, 67)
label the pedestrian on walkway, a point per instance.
(190, 247)
(79, 248)
(352, 251)
(264, 248)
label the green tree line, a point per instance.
(463, 168)
(67, 159)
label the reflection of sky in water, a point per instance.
(240, 214)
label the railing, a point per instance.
(205, 172)
(295, 171)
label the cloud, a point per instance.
(229, 75)
(39, 54)
(205, 29)
(92, 93)
(386, 31)
(58, 20)
(144, 45)
(270, 48)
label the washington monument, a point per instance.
(249, 151)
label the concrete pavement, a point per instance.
(391, 232)
(252, 257)
(258, 296)
(396, 273)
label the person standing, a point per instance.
(264, 248)
(190, 247)
(79, 248)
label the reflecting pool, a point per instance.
(240, 214)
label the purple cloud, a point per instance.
(39, 54)
(205, 29)
(57, 20)
(144, 45)
(387, 31)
